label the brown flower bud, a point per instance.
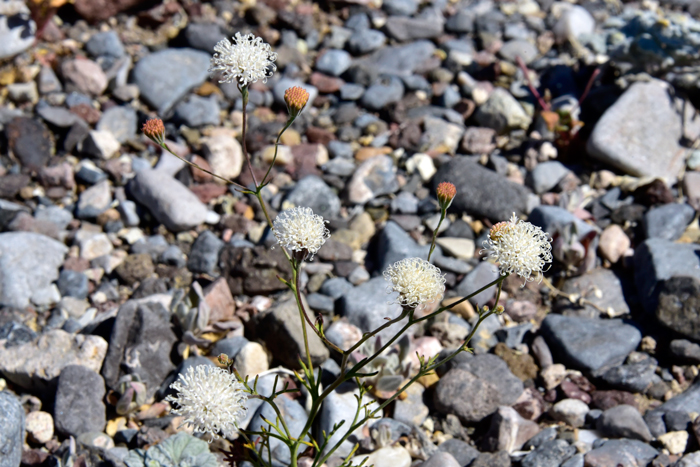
(155, 130)
(446, 192)
(296, 99)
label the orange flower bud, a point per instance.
(155, 130)
(446, 192)
(296, 99)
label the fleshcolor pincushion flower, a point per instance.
(244, 60)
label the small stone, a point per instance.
(678, 305)
(366, 41)
(121, 121)
(374, 177)
(251, 360)
(20, 93)
(602, 289)
(614, 243)
(502, 112)
(39, 426)
(441, 459)
(94, 201)
(479, 140)
(73, 284)
(79, 407)
(135, 268)
(100, 144)
(224, 154)
(623, 421)
(509, 431)
(311, 191)
(390, 456)
(387, 90)
(571, 411)
(47, 81)
(549, 454)
(573, 23)
(334, 62)
(623, 451)
(484, 273)
(197, 111)
(84, 76)
(518, 48)
(440, 136)
(204, 256)
(94, 245)
(674, 441)
(691, 188)
(547, 175)
(668, 221)
(462, 248)
(685, 350)
(30, 141)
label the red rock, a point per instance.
(76, 264)
(319, 135)
(57, 175)
(100, 10)
(218, 297)
(198, 175)
(208, 191)
(326, 84)
(87, 112)
(574, 392)
(605, 400)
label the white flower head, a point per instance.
(210, 399)
(519, 248)
(245, 60)
(300, 230)
(416, 280)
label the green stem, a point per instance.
(302, 314)
(435, 232)
(277, 143)
(244, 94)
(192, 164)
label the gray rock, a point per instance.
(94, 201)
(632, 377)
(483, 274)
(685, 350)
(196, 111)
(476, 388)
(687, 402)
(230, 346)
(29, 263)
(623, 421)
(508, 431)
(334, 62)
(281, 329)
(87, 172)
(589, 344)
(577, 460)
(58, 116)
(312, 192)
(79, 407)
(440, 135)
(295, 417)
(482, 192)
(518, 48)
(399, 60)
(121, 121)
(170, 202)
(487, 459)
(366, 41)
(668, 221)
(105, 44)
(48, 82)
(335, 287)
(166, 76)
(553, 218)
(625, 452)
(16, 33)
(140, 344)
(11, 430)
(341, 404)
(461, 22)
(602, 288)
(405, 29)
(656, 260)
(204, 255)
(321, 303)
(400, 7)
(546, 176)
(73, 284)
(639, 134)
(367, 305)
(550, 454)
(405, 203)
(461, 451)
(395, 244)
(55, 214)
(374, 177)
(679, 301)
(203, 36)
(350, 92)
(8, 211)
(387, 90)
(441, 459)
(502, 112)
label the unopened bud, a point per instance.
(446, 192)
(155, 130)
(499, 309)
(224, 360)
(296, 99)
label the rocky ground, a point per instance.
(120, 266)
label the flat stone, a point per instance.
(224, 154)
(30, 141)
(29, 263)
(312, 192)
(639, 133)
(481, 191)
(94, 201)
(590, 345)
(37, 364)
(121, 121)
(170, 202)
(374, 177)
(509, 431)
(196, 111)
(623, 421)
(625, 452)
(571, 411)
(334, 62)
(483, 274)
(11, 430)
(546, 175)
(463, 452)
(386, 90)
(79, 407)
(440, 136)
(668, 221)
(84, 76)
(602, 288)
(400, 59)
(166, 76)
(502, 112)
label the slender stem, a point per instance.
(302, 314)
(192, 164)
(277, 143)
(244, 94)
(258, 194)
(589, 85)
(435, 232)
(533, 90)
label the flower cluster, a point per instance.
(519, 248)
(296, 99)
(155, 130)
(210, 399)
(446, 192)
(300, 230)
(245, 60)
(416, 280)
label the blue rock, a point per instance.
(173, 256)
(73, 284)
(366, 41)
(230, 346)
(334, 62)
(311, 191)
(321, 303)
(335, 287)
(204, 255)
(367, 305)
(668, 221)
(400, 7)
(546, 175)
(166, 76)
(11, 430)
(553, 218)
(106, 47)
(351, 92)
(198, 111)
(483, 274)
(590, 345)
(203, 36)
(358, 22)
(461, 22)
(395, 244)
(387, 90)
(400, 60)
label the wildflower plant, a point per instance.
(213, 400)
